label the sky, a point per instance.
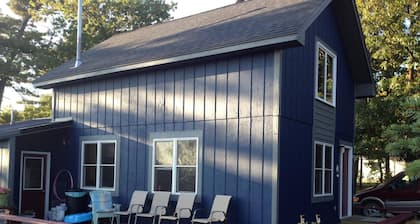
(185, 8)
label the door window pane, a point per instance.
(187, 152)
(33, 173)
(107, 177)
(163, 179)
(186, 179)
(90, 153)
(108, 153)
(163, 153)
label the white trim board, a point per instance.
(349, 181)
(278, 40)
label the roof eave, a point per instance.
(299, 38)
(357, 55)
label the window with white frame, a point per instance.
(99, 165)
(323, 170)
(325, 81)
(175, 165)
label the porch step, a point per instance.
(399, 219)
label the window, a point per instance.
(175, 165)
(99, 165)
(323, 172)
(325, 75)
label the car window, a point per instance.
(404, 183)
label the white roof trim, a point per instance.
(245, 46)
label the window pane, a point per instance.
(186, 179)
(187, 151)
(33, 173)
(89, 176)
(330, 81)
(327, 182)
(328, 158)
(108, 153)
(318, 181)
(163, 179)
(107, 177)
(321, 73)
(318, 156)
(90, 153)
(163, 153)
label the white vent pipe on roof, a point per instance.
(79, 34)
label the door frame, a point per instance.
(47, 180)
(344, 147)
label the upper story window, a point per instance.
(175, 165)
(326, 70)
(99, 165)
(323, 170)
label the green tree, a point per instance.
(403, 136)
(19, 40)
(26, 53)
(101, 20)
(6, 115)
(32, 110)
(39, 109)
(392, 37)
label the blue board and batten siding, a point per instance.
(304, 119)
(229, 99)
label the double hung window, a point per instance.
(325, 81)
(175, 165)
(99, 165)
(323, 170)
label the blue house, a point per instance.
(254, 100)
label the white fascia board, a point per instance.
(245, 46)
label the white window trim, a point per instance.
(323, 194)
(174, 163)
(333, 55)
(98, 164)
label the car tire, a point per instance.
(372, 209)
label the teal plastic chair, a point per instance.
(102, 207)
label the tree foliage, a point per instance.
(41, 109)
(26, 53)
(392, 35)
(388, 123)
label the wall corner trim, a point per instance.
(276, 133)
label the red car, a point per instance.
(400, 194)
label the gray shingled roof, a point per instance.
(246, 25)
(29, 126)
(233, 25)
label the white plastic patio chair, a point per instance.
(218, 211)
(102, 207)
(183, 208)
(138, 199)
(158, 207)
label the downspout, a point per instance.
(79, 34)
